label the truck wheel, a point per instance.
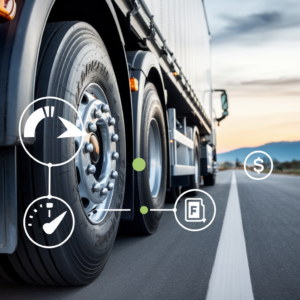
(152, 180)
(195, 180)
(75, 66)
(209, 179)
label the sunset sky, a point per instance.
(255, 50)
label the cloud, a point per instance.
(255, 26)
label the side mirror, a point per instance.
(224, 102)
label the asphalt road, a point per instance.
(177, 264)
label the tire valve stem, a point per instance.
(49, 205)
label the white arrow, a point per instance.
(72, 130)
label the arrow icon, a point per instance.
(72, 130)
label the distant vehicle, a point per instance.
(148, 63)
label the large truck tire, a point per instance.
(152, 180)
(67, 49)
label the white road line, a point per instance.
(230, 278)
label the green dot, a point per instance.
(139, 164)
(144, 210)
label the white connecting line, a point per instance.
(163, 209)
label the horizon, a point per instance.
(257, 146)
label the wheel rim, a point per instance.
(154, 158)
(97, 162)
(196, 168)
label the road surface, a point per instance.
(261, 233)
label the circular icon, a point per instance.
(260, 167)
(48, 113)
(48, 222)
(192, 209)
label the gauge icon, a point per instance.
(48, 222)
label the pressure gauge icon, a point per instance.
(48, 222)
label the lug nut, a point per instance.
(97, 113)
(110, 186)
(92, 127)
(105, 108)
(111, 121)
(115, 155)
(96, 187)
(89, 147)
(104, 192)
(91, 169)
(114, 137)
(114, 174)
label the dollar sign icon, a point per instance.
(257, 164)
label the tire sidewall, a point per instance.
(152, 108)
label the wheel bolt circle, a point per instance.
(96, 187)
(92, 127)
(111, 121)
(97, 113)
(114, 137)
(91, 169)
(114, 174)
(104, 192)
(110, 186)
(89, 147)
(115, 155)
(105, 108)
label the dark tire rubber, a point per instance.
(145, 224)
(82, 258)
(172, 194)
(209, 179)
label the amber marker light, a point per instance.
(175, 73)
(134, 84)
(171, 141)
(7, 10)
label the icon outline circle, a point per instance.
(209, 196)
(66, 239)
(21, 139)
(245, 165)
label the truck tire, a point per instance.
(67, 49)
(209, 179)
(152, 181)
(195, 180)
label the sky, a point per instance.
(255, 56)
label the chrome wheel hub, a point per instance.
(154, 158)
(97, 162)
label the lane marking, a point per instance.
(230, 278)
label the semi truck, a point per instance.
(146, 63)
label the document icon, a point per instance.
(194, 210)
